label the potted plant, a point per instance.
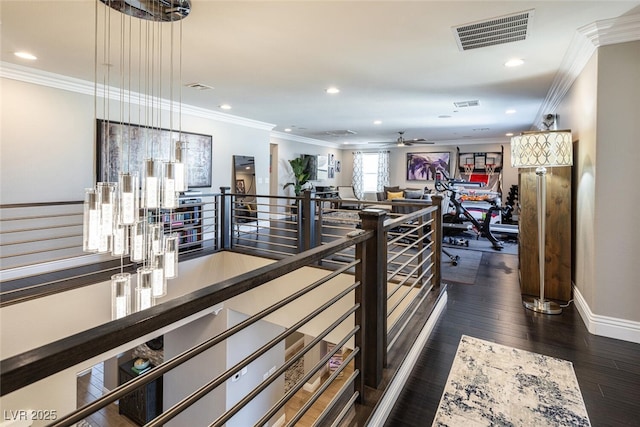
(300, 175)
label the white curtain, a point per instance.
(358, 186)
(383, 170)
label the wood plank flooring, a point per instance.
(608, 370)
(90, 387)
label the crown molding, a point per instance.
(303, 139)
(584, 43)
(71, 84)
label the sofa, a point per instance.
(407, 194)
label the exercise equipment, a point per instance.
(455, 222)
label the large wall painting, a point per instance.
(427, 166)
(124, 147)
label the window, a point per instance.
(370, 172)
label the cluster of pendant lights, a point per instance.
(125, 218)
(112, 224)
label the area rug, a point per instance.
(342, 218)
(495, 385)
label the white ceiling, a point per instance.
(394, 61)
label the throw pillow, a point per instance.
(413, 194)
(392, 195)
(394, 189)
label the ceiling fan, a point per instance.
(401, 142)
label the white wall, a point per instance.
(578, 112)
(398, 162)
(47, 140)
(239, 347)
(603, 112)
(289, 149)
(183, 380)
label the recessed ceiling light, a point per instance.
(25, 55)
(225, 107)
(333, 90)
(287, 130)
(508, 134)
(516, 62)
(510, 111)
(377, 122)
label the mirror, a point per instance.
(244, 177)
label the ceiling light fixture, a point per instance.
(225, 107)
(287, 130)
(26, 55)
(377, 122)
(118, 218)
(508, 134)
(516, 62)
(510, 111)
(332, 90)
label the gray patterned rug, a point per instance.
(495, 385)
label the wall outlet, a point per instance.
(243, 371)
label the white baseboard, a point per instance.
(311, 387)
(611, 327)
(390, 396)
(280, 421)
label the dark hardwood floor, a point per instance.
(608, 370)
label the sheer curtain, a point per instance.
(383, 170)
(358, 185)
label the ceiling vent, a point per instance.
(198, 86)
(464, 104)
(340, 132)
(500, 30)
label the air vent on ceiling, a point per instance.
(340, 132)
(198, 86)
(464, 104)
(500, 30)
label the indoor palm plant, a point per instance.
(299, 167)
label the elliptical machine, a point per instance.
(456, 220)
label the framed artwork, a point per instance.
(240, 188)
(124, 147)
(427, 166)
(332, 173)
(338, 166)
(331, 159)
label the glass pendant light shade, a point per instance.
(120, 240)
(159, 282)
(120, 295)
(171, 256)
(138, 246)
(156, 238)
(129, 209)
(107, 201)
(169, 194)
(151, 187)
(179, 166)
(144, 290)
(91, 222)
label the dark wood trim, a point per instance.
(33, 365)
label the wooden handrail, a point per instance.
(33, 365)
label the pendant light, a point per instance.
(112, 221)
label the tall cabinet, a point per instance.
(558, 234)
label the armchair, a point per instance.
(347, 198)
